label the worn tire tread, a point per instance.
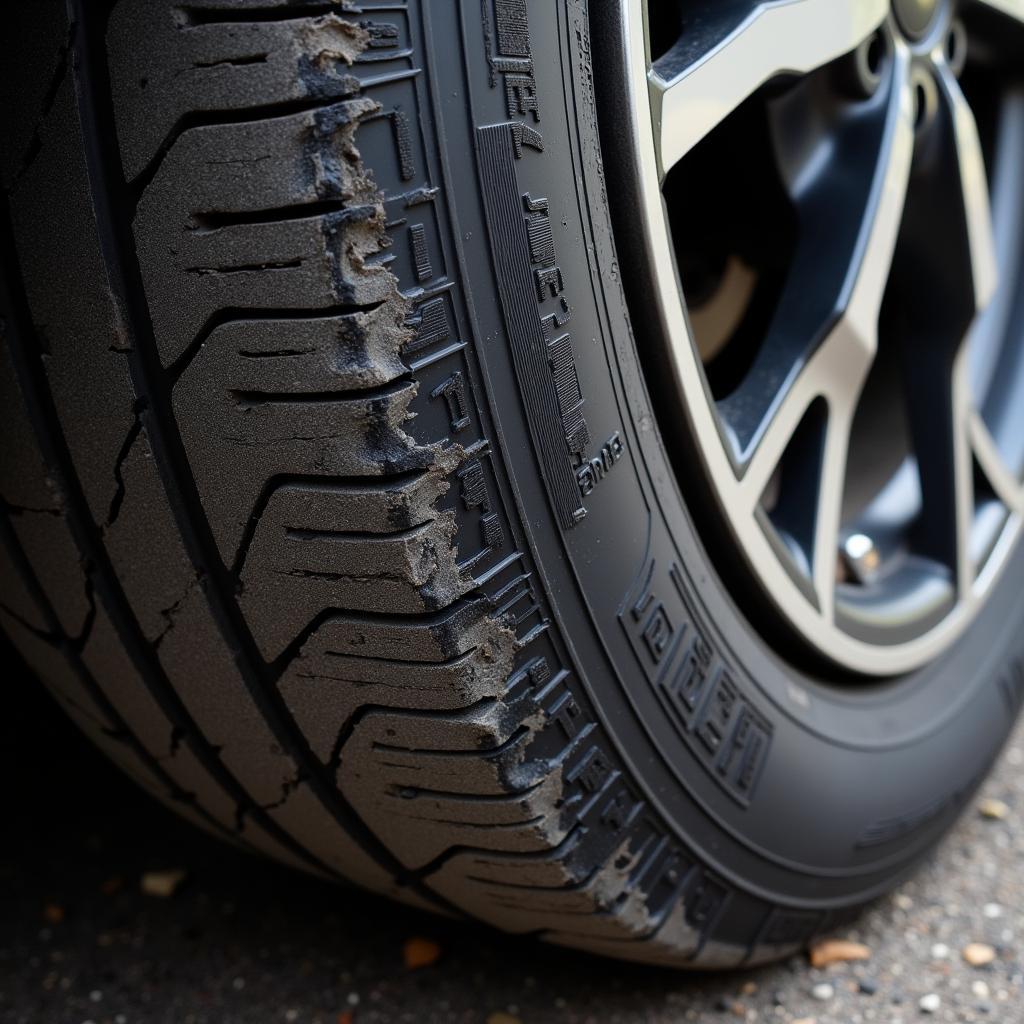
(258, 605)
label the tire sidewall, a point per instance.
(848, 785)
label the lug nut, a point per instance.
(861, 556)
(860, 74)
(926, 98)
(956, 47)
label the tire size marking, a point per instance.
(536, 309)
(527, 335)
(694, 684)
(591, 473)
(510, 57)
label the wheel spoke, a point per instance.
(974, 185)
(839, 367)
(837, 374)
(694, 88)
(948, 274)
(962, 469)
(990, 329)
(846, 225)
(1007, 487)
(1011, 8)
(836, 370)
(830, 503)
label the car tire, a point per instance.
(342, 507)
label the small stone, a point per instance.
(835, 951)
(930, 1003)
(95, 996)
(992, 911)
(867, 986)
(805, 1020)
(162, 884)
(940, 951)
(904, 902)
(417, 953)
(979, 954)
(54, 913)
(993, 809)
(980, 989)
(238, 984)
(823, 992)
(112, 885)
(503, 1018)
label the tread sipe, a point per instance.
(256, 527)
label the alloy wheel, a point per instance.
(830, 219)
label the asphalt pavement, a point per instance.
(243, 940)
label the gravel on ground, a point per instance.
(112, 911)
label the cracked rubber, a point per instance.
(266, 531)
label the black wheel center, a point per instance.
(916, 17)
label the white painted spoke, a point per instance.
(974, 183)
(783, 36)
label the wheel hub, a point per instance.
(857, 418)
(916, 17)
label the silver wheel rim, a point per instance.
(675, 103)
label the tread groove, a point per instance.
(235, 314)
(246, 400)
(72, 654)
(338, 485)
(39, 401)
(194, 16)
(212, 118)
